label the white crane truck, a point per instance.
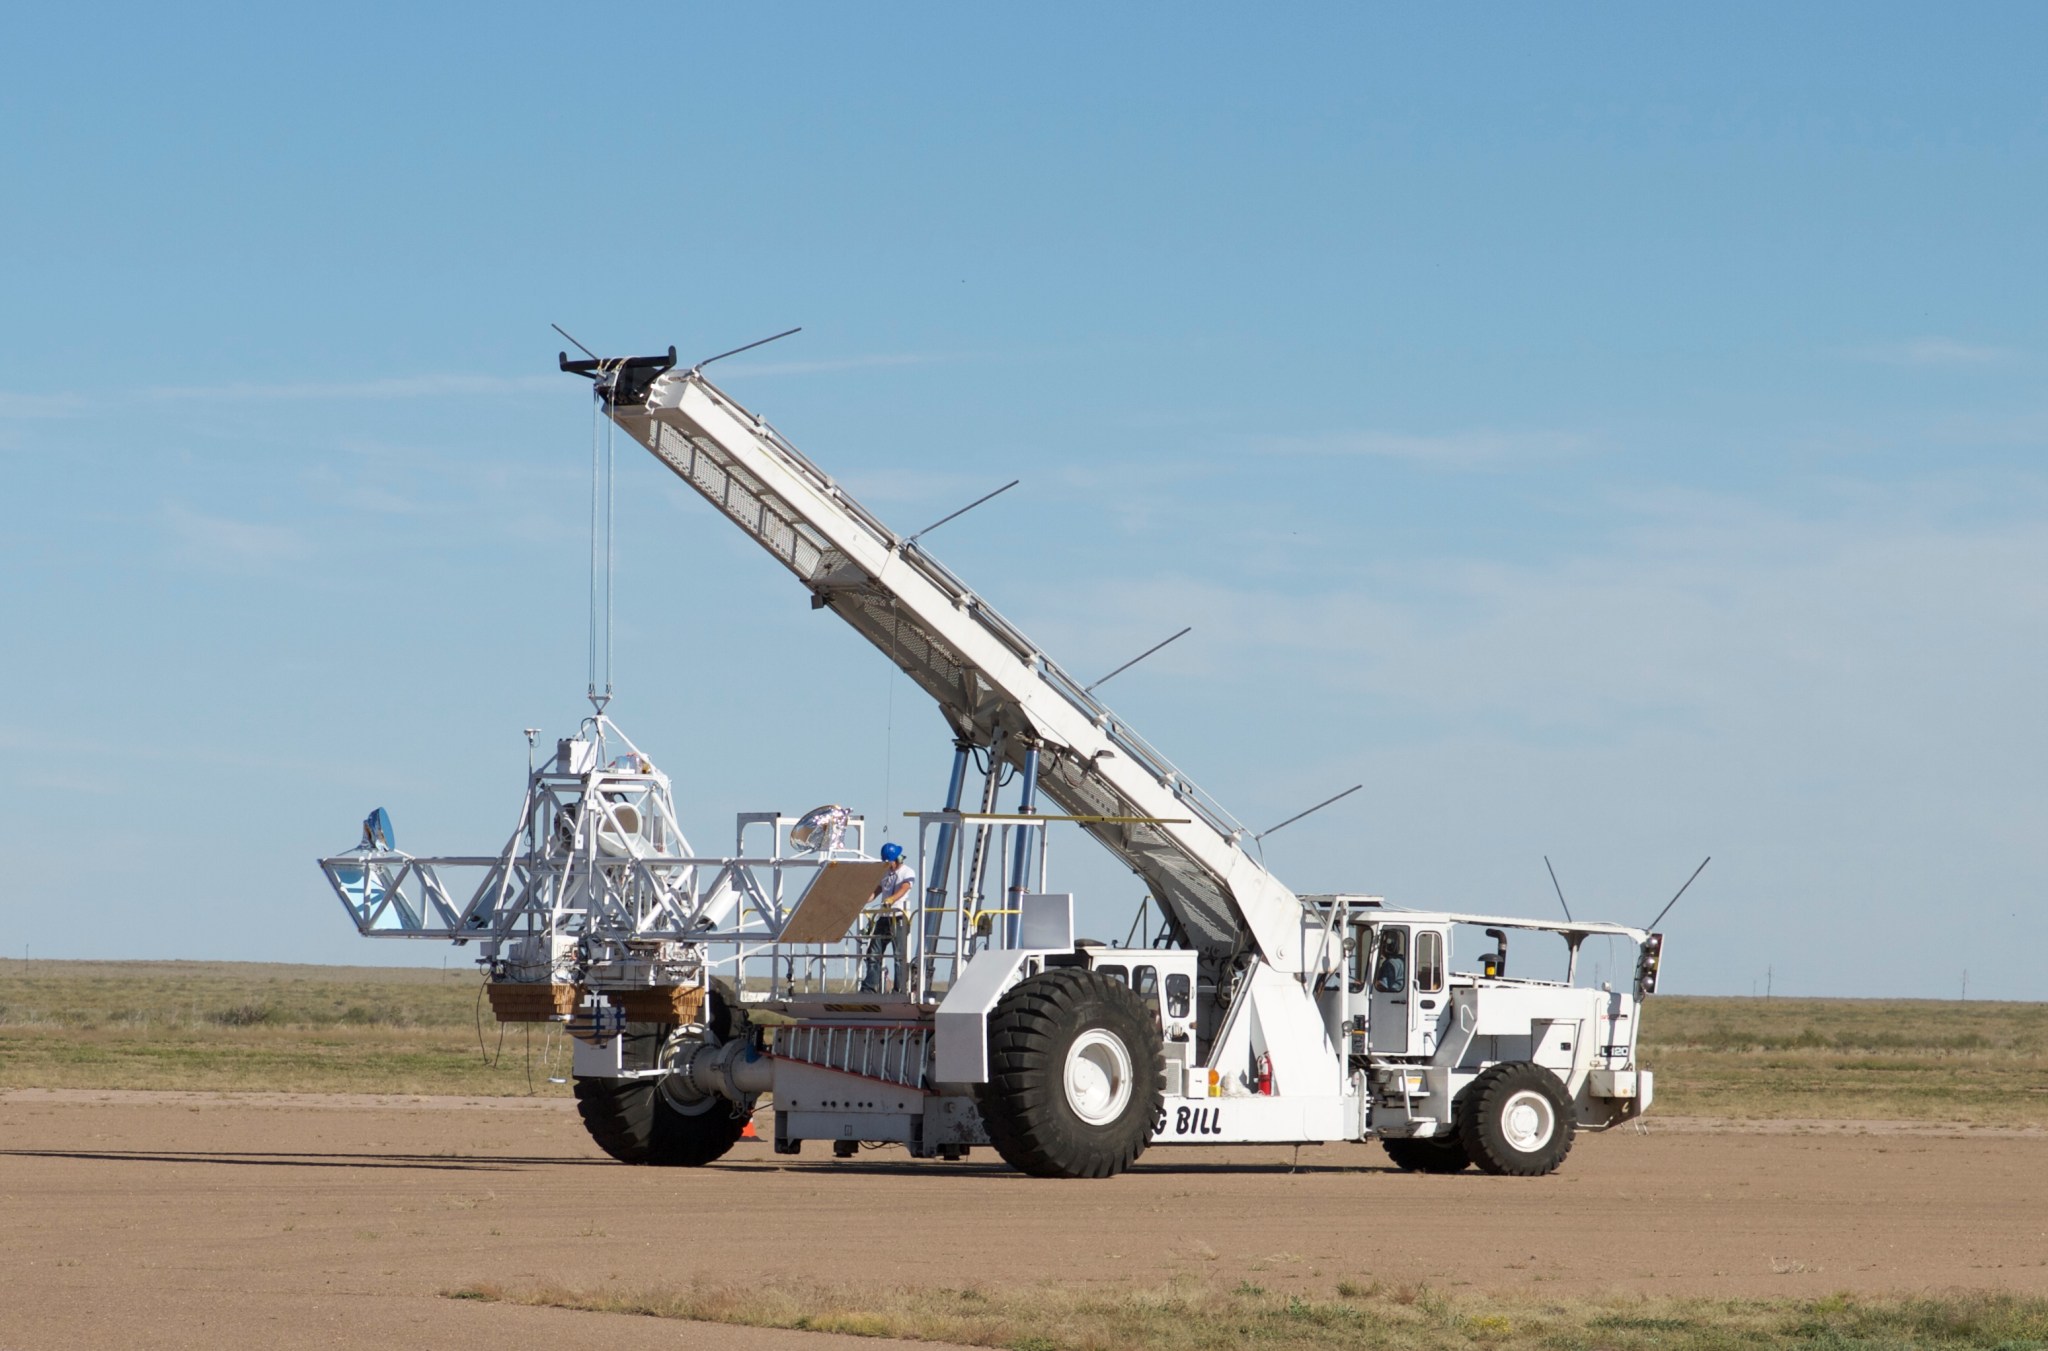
(693, 985)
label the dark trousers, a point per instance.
(891, 931)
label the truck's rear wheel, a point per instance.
(635, 1122)
(1435, 1154)
(1516, 1120)
(1077, 1072)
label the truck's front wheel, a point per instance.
(1515, 1120)
(635, 1122)
(1077, 1073)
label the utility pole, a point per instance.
(1966, 983)
(1770, 974)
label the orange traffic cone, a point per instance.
(750, 1133)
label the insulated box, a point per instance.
(660, 1003)
(531, 1001)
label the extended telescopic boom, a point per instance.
(996, 688)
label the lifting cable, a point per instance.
(601, 486)
(488, 1059)
(889, 729)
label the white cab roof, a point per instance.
(1367, 907)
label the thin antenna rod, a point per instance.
(759, 342)
(1298, 815)
(1560, 890)
(573, 343)
(1681, 891)
(962, 512)
(1090, 689)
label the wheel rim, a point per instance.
(1098, 1077)
(1528, 1121)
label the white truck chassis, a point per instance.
(696, 984)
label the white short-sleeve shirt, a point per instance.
(900, 874)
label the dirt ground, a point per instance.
(197, 1220)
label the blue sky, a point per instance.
(1607, 433)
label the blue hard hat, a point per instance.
(891, 853)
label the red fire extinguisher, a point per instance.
(1265, 1073)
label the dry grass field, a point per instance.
(242, 1026)
(1194, 1315)
(1859, 1059)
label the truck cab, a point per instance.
(1426, 1033)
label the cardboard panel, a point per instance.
(833, 902)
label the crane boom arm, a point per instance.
(986, 676)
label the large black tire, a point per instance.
(1516, 1121)
(726, 1017)
(1435, 1154)
(635, 1122)
(631, 1120)
(1077, 1074)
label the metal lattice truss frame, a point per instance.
(597, 854)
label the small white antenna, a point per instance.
(573, 343)
(1560, 890)
(1090, 689)
(1681, 891)
(1298, 815)
(758, 342)
(962, 512)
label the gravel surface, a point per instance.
(203, 1219)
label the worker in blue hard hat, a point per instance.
(891, 926)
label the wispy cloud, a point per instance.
(1707, 613)
(21, 405)
(1478, 448)
(380, 500)
(922, 491)
(14, 405)
(434, 386)
(2027, 428)
(237, 546)
(1935, 351)
(828, 365)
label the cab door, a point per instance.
(1410, 995)
(1429, 994)
(1392, 1015)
